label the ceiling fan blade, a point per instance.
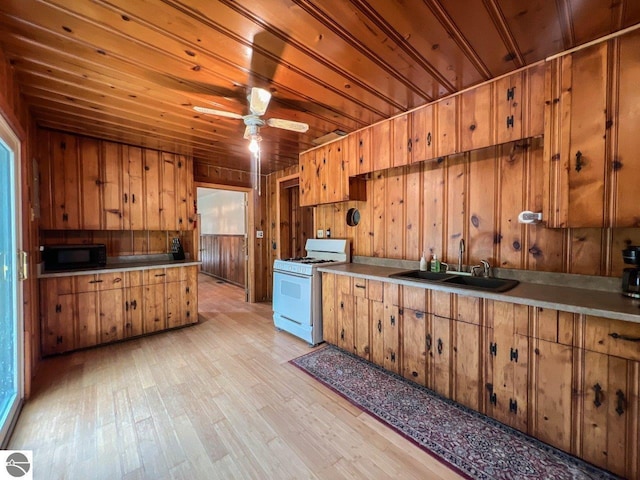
(288, 125)
(220, 113)
(259, 100)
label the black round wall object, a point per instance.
(353, 217)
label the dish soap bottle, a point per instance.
(435, 264)
(423, 263)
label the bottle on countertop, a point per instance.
(435, 263)
(423, 263)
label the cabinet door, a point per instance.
(134, 200)
(391, 336)
(475, 118)
(467, 371)
(376, 326)
(363, 151)
(87, 322)
(329, 321)
(440, 355)
(58, 313)
(133, 311)
(65, 182)
(380, 140)
(151, 181)
(182, 185)
(607, 417)
(447, 127)
(191, 301)
(551, 390)
(168, 217)
(416, 345)
(422, 134)
(175, 313)
(308, 184)
(114, 195)
(111, 315)
(345, 313)
(154, 303)
(507, 101)
(362, 343)
(92, 184)
(586, 155)
(402, 141)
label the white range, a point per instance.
(297, 287)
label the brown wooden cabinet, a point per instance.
(476, 126)
(87, 310)
(423, 134)
(329, 319)
(447, 126)
(401, 140)
(440, 355)
(466, 371)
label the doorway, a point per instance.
(222, 233)
(11, 318)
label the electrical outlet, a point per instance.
(320, 234)
(259, 234)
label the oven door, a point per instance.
(292, 296)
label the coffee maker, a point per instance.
(631, 276)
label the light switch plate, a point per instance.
(259, 234)
(320, 234)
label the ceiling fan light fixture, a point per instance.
(254, 143)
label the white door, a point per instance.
(11, 320)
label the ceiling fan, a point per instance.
(258, 100)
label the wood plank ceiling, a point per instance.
(131, 70)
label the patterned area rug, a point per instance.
(474, 445)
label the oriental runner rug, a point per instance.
(474, 445)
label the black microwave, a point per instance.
(73, 257)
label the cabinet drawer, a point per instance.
(98, 282)
(154, 276)
(440, 304)
(343, 285)
(57, 286)
(613, 337)
(175, 274)
(135, 278)
(371, 289)
(414, 298)
(468, 309)
(553, 325)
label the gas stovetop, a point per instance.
(319, 251)
(307, 260)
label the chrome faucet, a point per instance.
(486, 268)
(460, 252)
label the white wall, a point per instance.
(222, 211)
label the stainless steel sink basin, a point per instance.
(457, 280)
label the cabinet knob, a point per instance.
(579, 161)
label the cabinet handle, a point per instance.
(393, 357)
(621, 402)
(134, 304)
(428, 342)
(160, 274)
(96, 281)
(126, 306)
(510, 121)
(58, 308)
(360, 286)
(379, 326)
(409, 145)
(513, 406)
(579, 161)
(511, 93)
(493, 398)
(429, 139)
(133, 198)
(597, 400)
(126, 198)
(393, 320)
(493, 349)
(341, 305)
(65, 217)
(513, 355)
(617, 336)
(342, 334)
(440, 346)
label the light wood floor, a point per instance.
(215, 400)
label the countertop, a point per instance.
(122, 266)
(577, 300)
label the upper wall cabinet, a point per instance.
(591, 139)
(87, 184)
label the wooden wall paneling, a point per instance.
(93, 184)
(413, 206)
(208, 173)
(168, 220)
(423, 134)
(402, 142)
(626, 113)
(585, 251)
(283, 200)
(476, 118)
(508, 99)
(133, 215)
(544, 247)
(447, 121)
(586, 157)
(482, 189)
(512, 199)
(45, 160)
(395, 228)
(379, 213)
(119, 242)
(183, 184)
(151, 182)
(351, 153)
(364, 151)
(381, 145)
(533, 101)
(113, 188)
(434, 190)
(364, 230)
(457, 172)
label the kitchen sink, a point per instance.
(463, 281)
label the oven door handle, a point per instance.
(291, 274)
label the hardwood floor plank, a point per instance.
(214, 400)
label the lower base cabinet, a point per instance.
(87, 310)
(572, 381)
